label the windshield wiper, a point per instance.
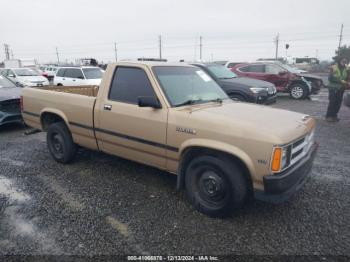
(227, 77)
(216, 100)
(189, 102)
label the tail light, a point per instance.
(21, 103)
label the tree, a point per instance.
(343, 51)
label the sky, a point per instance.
(230, 30)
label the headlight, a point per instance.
(280, 158)
(256, 90)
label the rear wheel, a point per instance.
(59, 85)
(215, 185)
(60, 143)
(298, 91)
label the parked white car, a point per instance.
(78, 76)
(25, 76)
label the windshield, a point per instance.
(221, 72)
(92, 73)
(25, 72)
(4, 82)
(187, 85)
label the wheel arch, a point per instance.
(50, 116)
(237, 155)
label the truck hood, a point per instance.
(280, 126)
(7, 93)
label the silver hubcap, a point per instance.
(297, 92)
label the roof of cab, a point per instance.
(152, 63)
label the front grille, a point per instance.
(12, 105)
(301, 147)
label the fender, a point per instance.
(56, 112)
(218, 146)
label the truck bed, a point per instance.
(74, 104)
(80, 90)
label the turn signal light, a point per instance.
(276, 160)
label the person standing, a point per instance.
(338, 82)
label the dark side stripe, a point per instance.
(30, 113)
(131, 138)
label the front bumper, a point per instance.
(280, 187)
(265, 98)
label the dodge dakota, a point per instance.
(176, 118)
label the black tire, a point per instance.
(60, 143)
(215, 185)
(59, 85)
(237, 97)
(298, 91)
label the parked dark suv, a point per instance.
(240, 88)
(285, 79)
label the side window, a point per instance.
(10, 73)
(74, 73)
(60, 72)
(272, 69)
(256, 68)
(128, 84)
(244, 69)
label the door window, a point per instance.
(60, 72)
(256, 68)
(74, 73)
(272, 69)
(128, 84)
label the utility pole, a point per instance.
(7, 51)
(277, 39)
(58, 58)
(200, 48)
(160, 47)
(341, 35)
(115, 52)
(12, 56)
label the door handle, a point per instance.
(74, 80)
(63, 79)
(107, 107)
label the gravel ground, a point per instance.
(104, 205)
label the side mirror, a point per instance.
(149, 101)
(12, 76)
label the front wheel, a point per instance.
(215, 185)
(60, 143)
(298, 91)
(236, 97)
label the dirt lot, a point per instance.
(102, 204)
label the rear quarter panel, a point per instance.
(76, 110)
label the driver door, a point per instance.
(124, 128)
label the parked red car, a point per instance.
(286, 80)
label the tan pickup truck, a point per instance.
(176, 118)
